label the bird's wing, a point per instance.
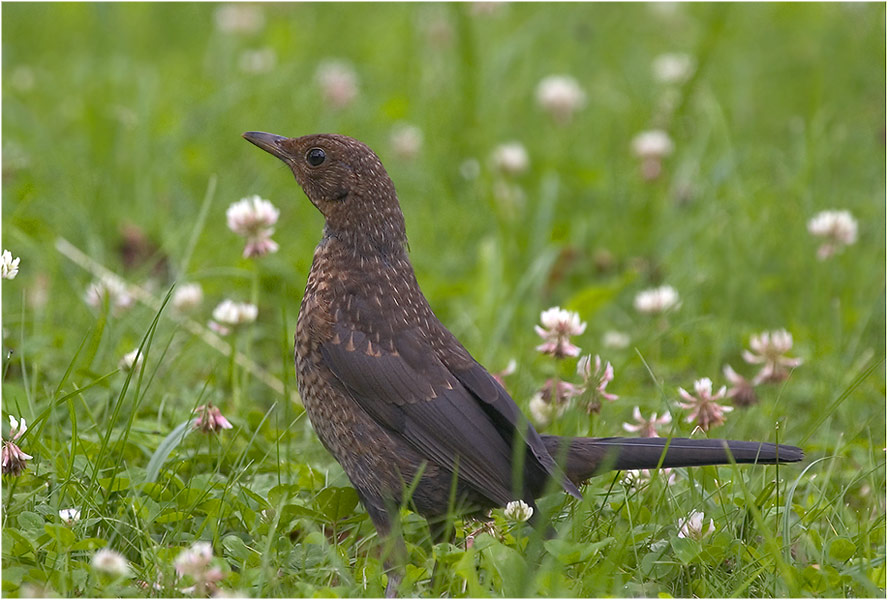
(403, 385)
(503, 411)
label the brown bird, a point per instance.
(395, 397)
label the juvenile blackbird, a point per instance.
(395, 397)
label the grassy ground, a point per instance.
(130, 115)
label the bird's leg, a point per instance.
(394, 551)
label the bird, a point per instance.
(396, 398)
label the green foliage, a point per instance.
(120, 115)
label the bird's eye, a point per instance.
(315, 156)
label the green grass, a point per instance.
(133, 115)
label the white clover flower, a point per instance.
(646, 427)
(187, 296)
(253, 218)
(837, 227)
(656, 300)
(261, 60)
(543, 412)
(194, 560)
(561, 96)
(9, 266)
(111, 287)
(12, 459)
(558, 327)
(229, 312)
(638, 478)
(704, 407)
(338, 82)
(239, 18)
(615, 339)
(518, 511)
(652, 144)
(692, 527)
(673, 67)
(69, 516)
(768, 349)
(406, 140)
(597, 380)
(742, 391)
(510, 158)
(111, 562)
(131, 361)
(511, 367)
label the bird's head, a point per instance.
(345, 180)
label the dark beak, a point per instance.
(269, 142)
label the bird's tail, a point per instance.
(584, 457)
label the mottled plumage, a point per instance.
(392, 394)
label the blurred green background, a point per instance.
(117, 118)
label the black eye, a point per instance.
(315, 156)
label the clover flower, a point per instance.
(837, 227)
(69, 516)
(768, 349)
(646, 428)
(12, 460)
(638, 478)
(518, 511)
(742, 391)
(551, 400)
(692, 526)
(561, 96)
(704, 407)
(510, 159)
(111, 562)
(131, 361)
(595, 381)
(500, 376)
(9, 266)
(615, 339)
(338, 82)
(558, 325)
(406, 141)
(239, 18)
(656, 300)
(111, 288)
(541, 412)
(252, 217)
(261, 60)
(652, 147)
(229, 312)
(210, 419)
(673, 67)
(187, 297)
(195, 562)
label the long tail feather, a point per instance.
(586, 457)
